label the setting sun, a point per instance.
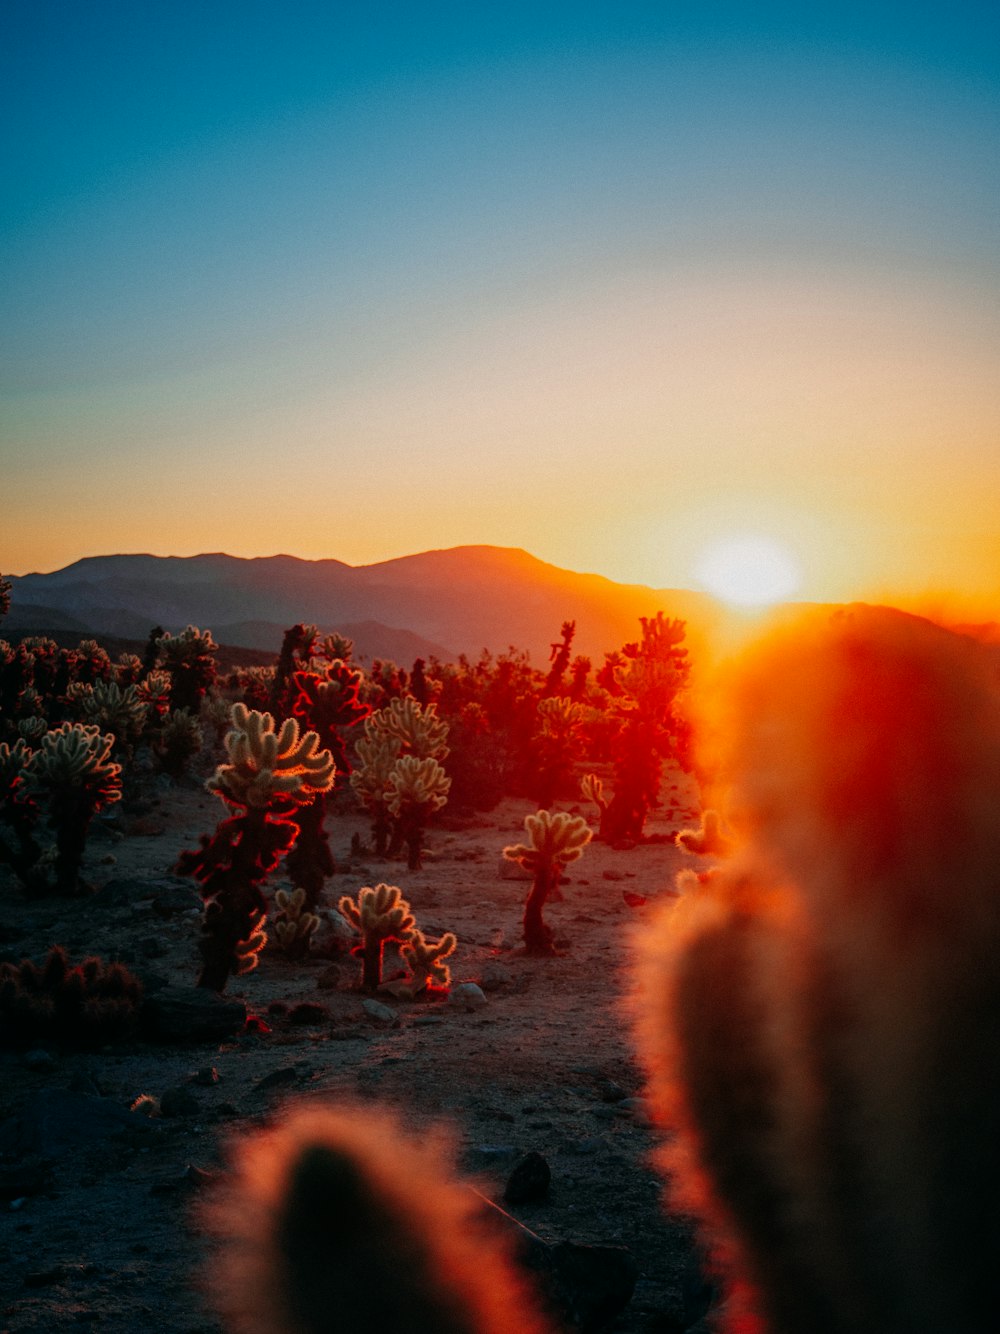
(748, 571)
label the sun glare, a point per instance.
(748, 571)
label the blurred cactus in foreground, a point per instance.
(556, 840)
(820, 1016)
(340, 1220)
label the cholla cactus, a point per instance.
(820, 1019)
(268, 778)
(216, 714)
(89, 662)
(19, 814)
(592, 789)
(154, 691)
(556, 840)
(179, 740)
(268, 768)
(708, 840)
(32, 729)
(128, 669)
(336, 646)
(418, 728)
(342, 1200)
(85, 1005)
(428, 972)
(112, 709)
(329, 704)
(377, 758)
(72, 776)
(293, 925)
(555, 744)
(380, 914)
(190, 659)
(417, 788)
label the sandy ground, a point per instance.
(109, 1244)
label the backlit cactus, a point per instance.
(556, 840)
(111, 708)
(820, 1017)
(417, 788)
(417, 727)
(338, 1219)
(425, 960)
(71, 777)
(377, 756)
(190, 659)
(708, 840)
(293, 925)
(380, 914)
(269, 776)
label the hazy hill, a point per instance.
(447, 602)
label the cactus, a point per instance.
(556, 840)
(190, 659)
(268, 777)
(708, 840)
(417, 788)
(820, 1017)
(428, 974)
(419, 730)
(109, 707)
(370, 780)
(19, 812)
(154, 691)
(380, 915)
(340, 1205)
(293, 925)
(555, 744)
(85, 1005)
(592, 789)
(72, 775)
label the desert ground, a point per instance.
(98, 1217)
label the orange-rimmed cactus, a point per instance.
(556, 840)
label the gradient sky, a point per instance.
(607, 282)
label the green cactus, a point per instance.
(111, 708)
(556, 840)
(380, 914)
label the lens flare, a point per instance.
(748, 571)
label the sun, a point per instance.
(748, 571)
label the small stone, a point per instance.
(329, 978)
(493, 977)
(613, 875)
(530, 1180)
(286, 1074)
(485, 1155)
(382, 1014)
(179, 1102)
(308, 1013)
(206, 1076)
(468, 995)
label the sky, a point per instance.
(613, 283)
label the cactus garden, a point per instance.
(248, 980)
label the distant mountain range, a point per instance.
(442, 603)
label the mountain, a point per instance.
(458, 600)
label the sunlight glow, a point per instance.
(748, 571)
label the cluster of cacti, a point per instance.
(293, 925)
(269, 776)
(556, 840)
(111, 708)
(399, 777)
(557, 744)
(88, 1004)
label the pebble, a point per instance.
(382, 1014)
(469, 995)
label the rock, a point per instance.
(39, 1059)
(280, 1078)
(57, 1121)
(382, 1014)
(206, 1076)
(468, 995)
(179, 1102)
(191, 1014)
(493, 977)
(529, 1180)
(329, 978)
(308, 1013)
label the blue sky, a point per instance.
(591, 280)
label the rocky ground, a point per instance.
(97, 1226)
